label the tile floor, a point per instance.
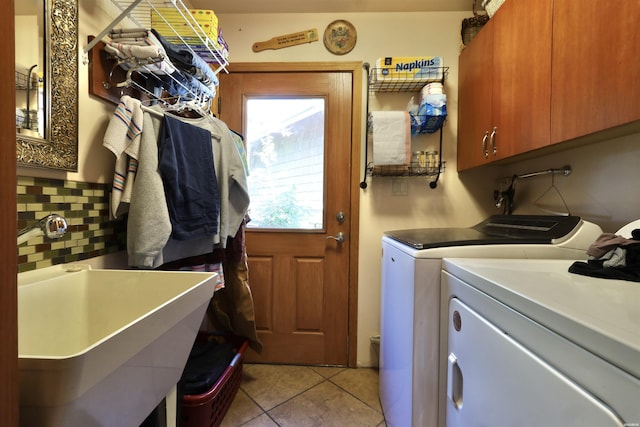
(305, 396)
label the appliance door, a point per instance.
(396, 335)
(409, 335)
(492, 380)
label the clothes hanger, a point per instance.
(555, 189)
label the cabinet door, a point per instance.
(522, 76)
(505, 85)
(474, 100)
(495, 381)
(595, 67)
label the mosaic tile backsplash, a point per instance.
(84, 205)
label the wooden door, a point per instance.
(300, 278)
(474, 101)
(522, 76)
(595, 67)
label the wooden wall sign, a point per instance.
(287, 40)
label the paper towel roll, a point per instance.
(391, 137)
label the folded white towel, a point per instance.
(391, 137)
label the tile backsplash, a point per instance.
(84, 205)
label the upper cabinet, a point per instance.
(474, 100)
(505, 85)
(545, 72)
(596, 65)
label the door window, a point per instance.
(285, 150)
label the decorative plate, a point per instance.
(340, 37)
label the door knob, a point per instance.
(338, 237)
(340, 217)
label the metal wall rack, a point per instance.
(434, 166)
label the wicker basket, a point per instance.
(471, 26)
(491, 6)
(209, 408)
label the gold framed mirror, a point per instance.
(58, 149)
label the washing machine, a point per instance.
(530, 344)
(410, 297)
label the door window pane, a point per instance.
(285, 149)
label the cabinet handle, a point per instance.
(492, 141)
(484, 144)
(454, 381)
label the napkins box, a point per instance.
(421, 68)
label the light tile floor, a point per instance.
(305, 396)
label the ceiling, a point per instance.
(330, 6)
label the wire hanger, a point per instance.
(555, 189)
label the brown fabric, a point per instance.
(231, 308)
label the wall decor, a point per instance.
(340, 37)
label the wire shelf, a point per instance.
(412, 169)
(383, 80)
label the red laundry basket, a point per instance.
(209, 408)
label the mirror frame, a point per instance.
(59, 148)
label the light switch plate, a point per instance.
(399, 187)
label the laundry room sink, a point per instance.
(103, 347)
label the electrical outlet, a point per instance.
(399, 187)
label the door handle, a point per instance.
(492, 140)
(454, 382)
(338, 237)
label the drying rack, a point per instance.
(107, 82)
(139, 12)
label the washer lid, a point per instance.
(497, 229)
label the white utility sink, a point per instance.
(104, 347)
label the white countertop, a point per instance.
(600, 315)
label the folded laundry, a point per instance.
(134, 33)
(187, 61)
(189, 76)
(148, 52)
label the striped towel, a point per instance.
(122, 138)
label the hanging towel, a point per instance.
(122, 138)
(148, 223)
(191, 187)
(391, 137)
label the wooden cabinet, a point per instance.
(474, 100)
(596, 65)
(546, 72)
(505, 85)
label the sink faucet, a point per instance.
(53, 226)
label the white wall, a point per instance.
(601, 187)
